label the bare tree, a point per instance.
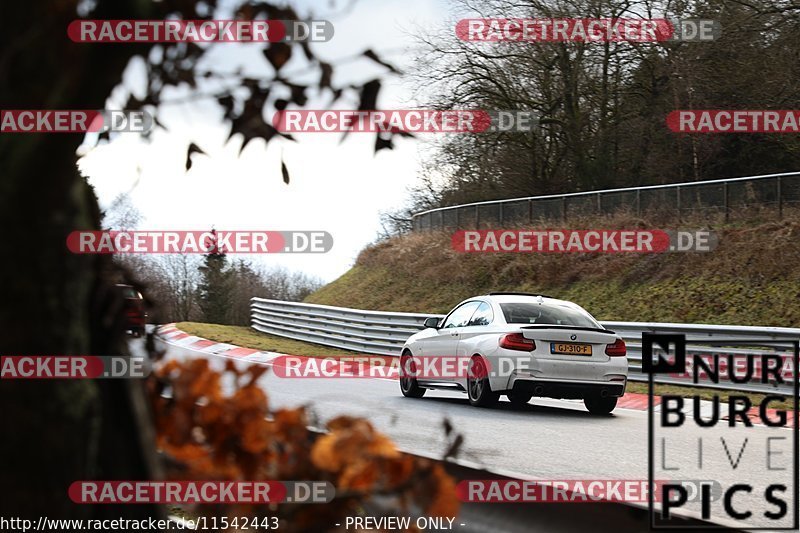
(122, 214)
(602, 106)
(179, 273)
(282, 284)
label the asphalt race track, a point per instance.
(548, 439)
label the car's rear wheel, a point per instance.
(519, 399)
(408, 384)
(478, 390)
(598, 405)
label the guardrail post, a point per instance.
(678, 201)
(477, 218)
(501, 214)
(564, 208)
(530, 211)
(638, 202)
(458, 218)
(780, 198)
(726, 200)
(599, 204)
(441, 219)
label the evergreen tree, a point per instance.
(216, 285)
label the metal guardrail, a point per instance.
(375, 332)
(720, 198)
(383, 333)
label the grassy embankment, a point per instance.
(751, 278)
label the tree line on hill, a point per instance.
(603, 106)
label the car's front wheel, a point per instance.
(598, 405)
(478, 390)
(408, 383)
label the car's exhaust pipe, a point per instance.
(604, 393)
(538, 390)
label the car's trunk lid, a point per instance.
(569, 342)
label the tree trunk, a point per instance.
(56, 303)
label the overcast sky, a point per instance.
(340, 188)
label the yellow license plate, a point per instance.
(570, 348)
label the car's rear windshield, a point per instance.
(535, 313)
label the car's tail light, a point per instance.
(617, 349)
(135, 316)
(517, 341)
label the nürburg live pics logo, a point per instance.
(732, 422)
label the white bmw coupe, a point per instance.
(518, 345)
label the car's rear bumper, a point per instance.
(568, 389)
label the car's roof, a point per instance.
(508, 297)
(523, 298)
(503, 298)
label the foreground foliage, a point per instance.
(219, 425)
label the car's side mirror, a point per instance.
(431, 322)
